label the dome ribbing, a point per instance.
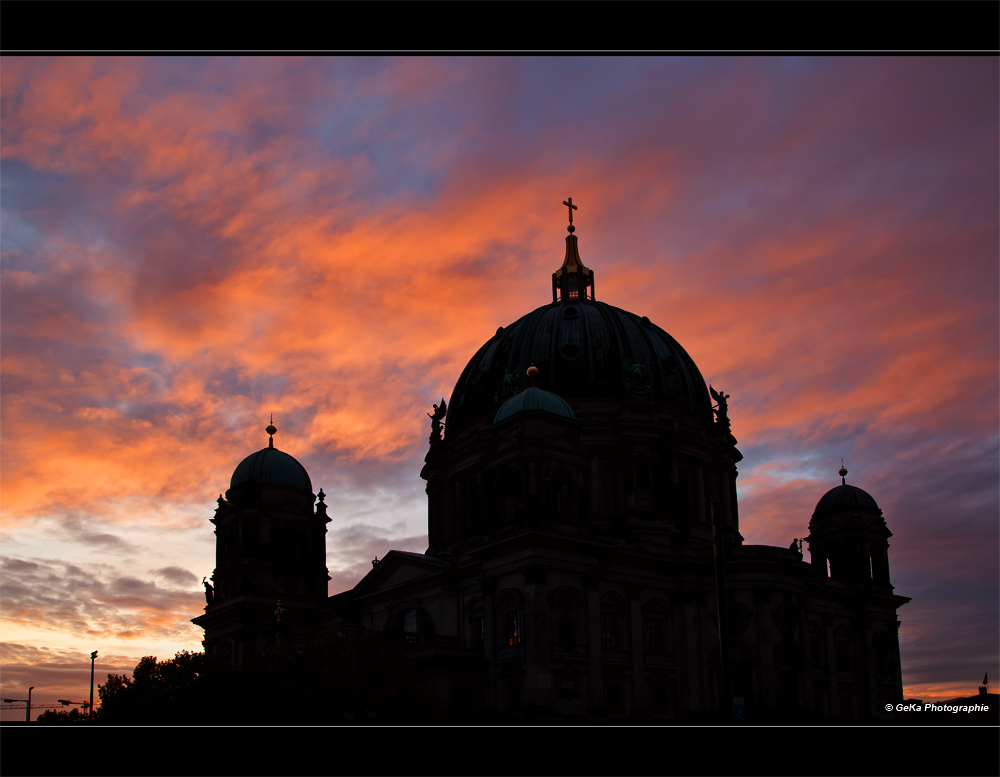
(584, 349)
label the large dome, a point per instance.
(272, 467)
(583, 349)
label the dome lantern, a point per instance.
(571, 281)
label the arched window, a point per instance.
(614, 626)
(656, 628)
(510, 621)
(406, 622)
(409, 620)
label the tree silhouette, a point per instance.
(62, 717)
(355, 676)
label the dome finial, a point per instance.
(843, 473)
(271, 429)
(532, 373)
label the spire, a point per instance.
(271, 429)
(571, 281)
(843, 473)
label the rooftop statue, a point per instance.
(439, 413)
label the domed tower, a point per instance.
(848, 535)
(640, 451)
(270, 574)
(854, 645)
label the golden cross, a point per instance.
(569, 204)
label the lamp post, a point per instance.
(93, 657)
(27, 714)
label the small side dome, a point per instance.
(534, 400)
(845, 498)
(273, 467)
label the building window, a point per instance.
(510, 620)
(816, 651)
(562, 500)
(610, 634)
(844, 652)
(643, 474)
(562, 483)
(655, 631)
(607, 488)
(566, 621)
(512, 628)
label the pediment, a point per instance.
(398, 567)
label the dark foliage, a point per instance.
(63, 717)
(353, 677)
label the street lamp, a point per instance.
(27, 715)
(93, 657)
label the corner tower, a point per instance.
(270, 574)
(854, 644)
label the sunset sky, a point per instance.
(189, 245)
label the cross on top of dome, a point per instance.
(571, 281)
(569, 204)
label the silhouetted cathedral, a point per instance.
(570, 573)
